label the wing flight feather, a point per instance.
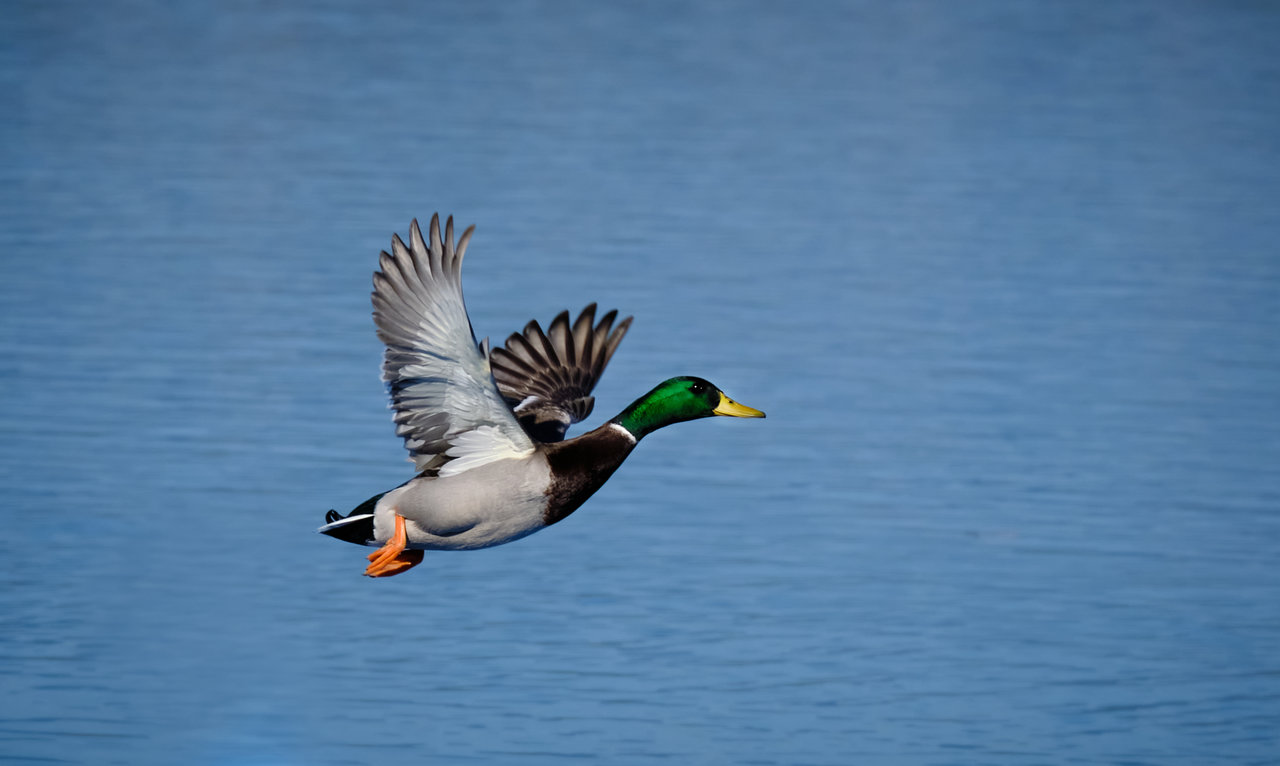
(447, 407)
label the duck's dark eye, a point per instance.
(698, 387)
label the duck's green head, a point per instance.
(677, 400)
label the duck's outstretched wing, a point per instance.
(547, 377)
(446, 405)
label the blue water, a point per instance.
(1003, 275)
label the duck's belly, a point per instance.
(486, 506)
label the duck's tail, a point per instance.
(356, 527)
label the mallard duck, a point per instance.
(485, 427)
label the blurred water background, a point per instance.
(1004, 276)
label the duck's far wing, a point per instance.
(447, 407)
(547, 377)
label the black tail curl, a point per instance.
(356, 527)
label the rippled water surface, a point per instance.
(1004, 277)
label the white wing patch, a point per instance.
(528, 401)
(480, 446)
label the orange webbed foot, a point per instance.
(393, 558)
(401, 563)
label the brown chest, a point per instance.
(581, 466)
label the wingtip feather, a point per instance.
(463, 241)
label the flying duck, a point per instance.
(485, 427)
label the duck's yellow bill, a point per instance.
(731, 408)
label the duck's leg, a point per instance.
(392, 558)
